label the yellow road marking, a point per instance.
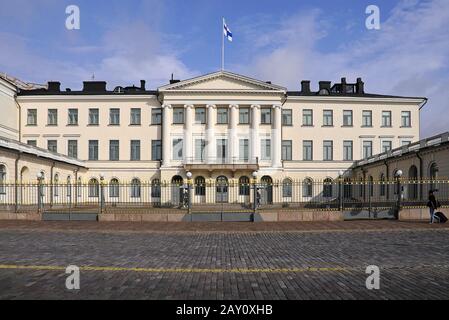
(179, 270)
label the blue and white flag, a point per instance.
(227, 32)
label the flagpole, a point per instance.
(222, 45)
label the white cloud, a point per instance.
(408, 56)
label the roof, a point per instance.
(21, 84)
(355, 95)
(38, 152)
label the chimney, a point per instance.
(94, 86)
(305, 86)
(172, 80)
(343, 86)
(268, 82)
(360, 86)
(54, 86)
(325, 85)
(142, 85)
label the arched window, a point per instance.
(2, 179)
(56, 185)
(413, 185)
(361, 187)
(287, 186)
(135, 188)
(69, 186)
(200, 186)
(307, 188)
(114, 188)
(371, 186)
(347, 188)
(79, 187)
(156, 188)
(94, 188)
(327, 188)
(382, 186)
(244, 186)
(433, 174)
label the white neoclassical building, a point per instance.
(220, 126)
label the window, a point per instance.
(52, 117)
(347, 118)
(135, 188)
(178, 115)
(94, 188)
(406, 119)
(405, 142)
(93, 150)
(32, 143)
(2, 179)
(244, 150)
(32, 117)
(156, 116)
(287, 117)
(94, 117)
(244, 115)
(265, 149)
(327, 188)
(307, 117)
(72, 148)
(73, 117)
(386, 146)
(135, 116)
(287, 188)
(287, 150)
(156, 150)
(328, 150)
(367, 149)
(200, 186)
(307, 188)
(265, 116)
(200, 148)
(367, 118)
(347, 150)
(114, 188)
(328, 118)
(200, 115)
(135, 150)
(156, 188)
(307, 150)
(52, 145)
(386, 118)
(222, 115)
(222, 149)
(177, 149)
(114, 117)
(244, 186)
(114, 150)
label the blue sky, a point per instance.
(281, 41)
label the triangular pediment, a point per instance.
(222, 81)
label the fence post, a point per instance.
(40, 193)
(189, 189)
(101, 193)
(399, 193)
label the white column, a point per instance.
(255, 141)
(233, 138)
(276, 137)
(210, 134)
(166, 134)
(188, 137)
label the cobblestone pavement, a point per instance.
(326, 263)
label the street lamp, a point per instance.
(399, 173)
(102, 200)
(40, 191)
(398, 176)
(189, 183)
(189, 175)
(254, 175)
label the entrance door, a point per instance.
(267, 190)
(222, 190)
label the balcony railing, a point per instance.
(220, 161)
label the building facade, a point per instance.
(221, 127)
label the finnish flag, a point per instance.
(226, 31)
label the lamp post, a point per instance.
(398, 176)
(102, 200)
(254, 183)
(40, 192)
(189, 187)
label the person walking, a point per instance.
(432, 204)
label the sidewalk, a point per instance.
(335, 226)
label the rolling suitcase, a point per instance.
(440, 217)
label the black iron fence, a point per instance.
(285, 194)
